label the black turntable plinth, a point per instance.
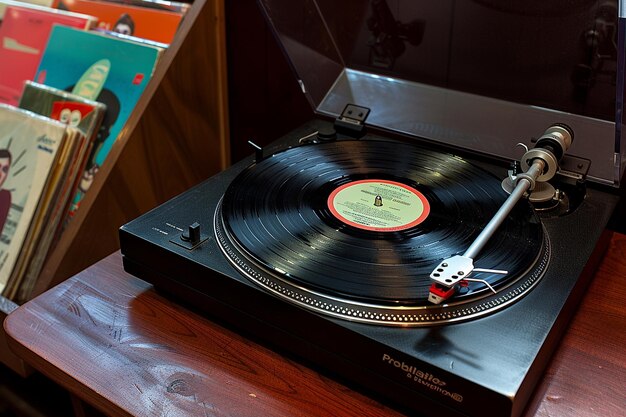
(324, 249)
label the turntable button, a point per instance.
(192, 235)
(326, 135)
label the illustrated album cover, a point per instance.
(29, 147)
(24, 33)
(98, 67)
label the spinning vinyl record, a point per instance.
(354, 229)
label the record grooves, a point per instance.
(353, 229)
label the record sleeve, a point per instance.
(30, 144)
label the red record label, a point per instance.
(379, 205)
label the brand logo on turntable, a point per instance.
(424, 378)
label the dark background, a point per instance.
(265, 100)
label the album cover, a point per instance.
(23, 34)
(5, 3)
(82, 113)
(172, 6)
(109, 70)
(28, 152)
(132, 38)
(46, 218)
(86, 115)
(149, 23)
(72, 109)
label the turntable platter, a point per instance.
(354, 228)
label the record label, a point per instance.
(378, 205)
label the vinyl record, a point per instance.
(367, 221)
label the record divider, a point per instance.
(165, 147)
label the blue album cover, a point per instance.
(113, 71)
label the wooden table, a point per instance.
(110, 339)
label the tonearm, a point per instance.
(539, 164)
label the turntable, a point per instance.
(429, 236)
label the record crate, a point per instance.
(176, 136)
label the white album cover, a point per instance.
(28, 150)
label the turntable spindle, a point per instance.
(540, 164)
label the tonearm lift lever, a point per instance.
(539, 164)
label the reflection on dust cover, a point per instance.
(28, 150)
(98, 67)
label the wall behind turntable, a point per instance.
(264, 97)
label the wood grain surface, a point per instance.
(120, 346)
